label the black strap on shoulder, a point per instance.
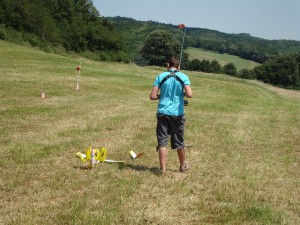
(172, 74)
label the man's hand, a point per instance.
(154, 93)
(187, 91)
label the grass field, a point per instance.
(245, 154)
(223, 59)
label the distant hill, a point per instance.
(244, 45)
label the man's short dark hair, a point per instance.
(173, 62)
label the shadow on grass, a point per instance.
(154, 170)
(122, 166)
(82, 167)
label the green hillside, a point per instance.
(244, 156)
(223, 59)
(244, 45)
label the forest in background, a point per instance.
(77, 26)
(61, 25)
(243, 45)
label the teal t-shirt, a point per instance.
(171, 93)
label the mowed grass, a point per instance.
(223, 59)
(244, 156)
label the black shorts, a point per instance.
(170, 125)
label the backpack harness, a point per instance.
(172, 74)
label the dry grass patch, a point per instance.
(244, 156)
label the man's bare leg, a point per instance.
(181, 156)
(162, 151)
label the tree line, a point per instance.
(280, 70)
(243, 45)
(76, 25)
(279, 58)
(72, 25)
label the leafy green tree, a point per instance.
(215, 67)
(159, 46)
(205, 65)
(140, 61)
(247, 74)
(230, 69)
(281, 71)
(195, 65)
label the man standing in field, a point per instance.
(173, 86)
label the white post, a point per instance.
(78, 69)
(182, 47)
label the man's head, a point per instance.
(173, 62)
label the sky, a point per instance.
(268, 19)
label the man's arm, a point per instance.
(188, 91)
(154, 93)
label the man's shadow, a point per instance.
(154, 170)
